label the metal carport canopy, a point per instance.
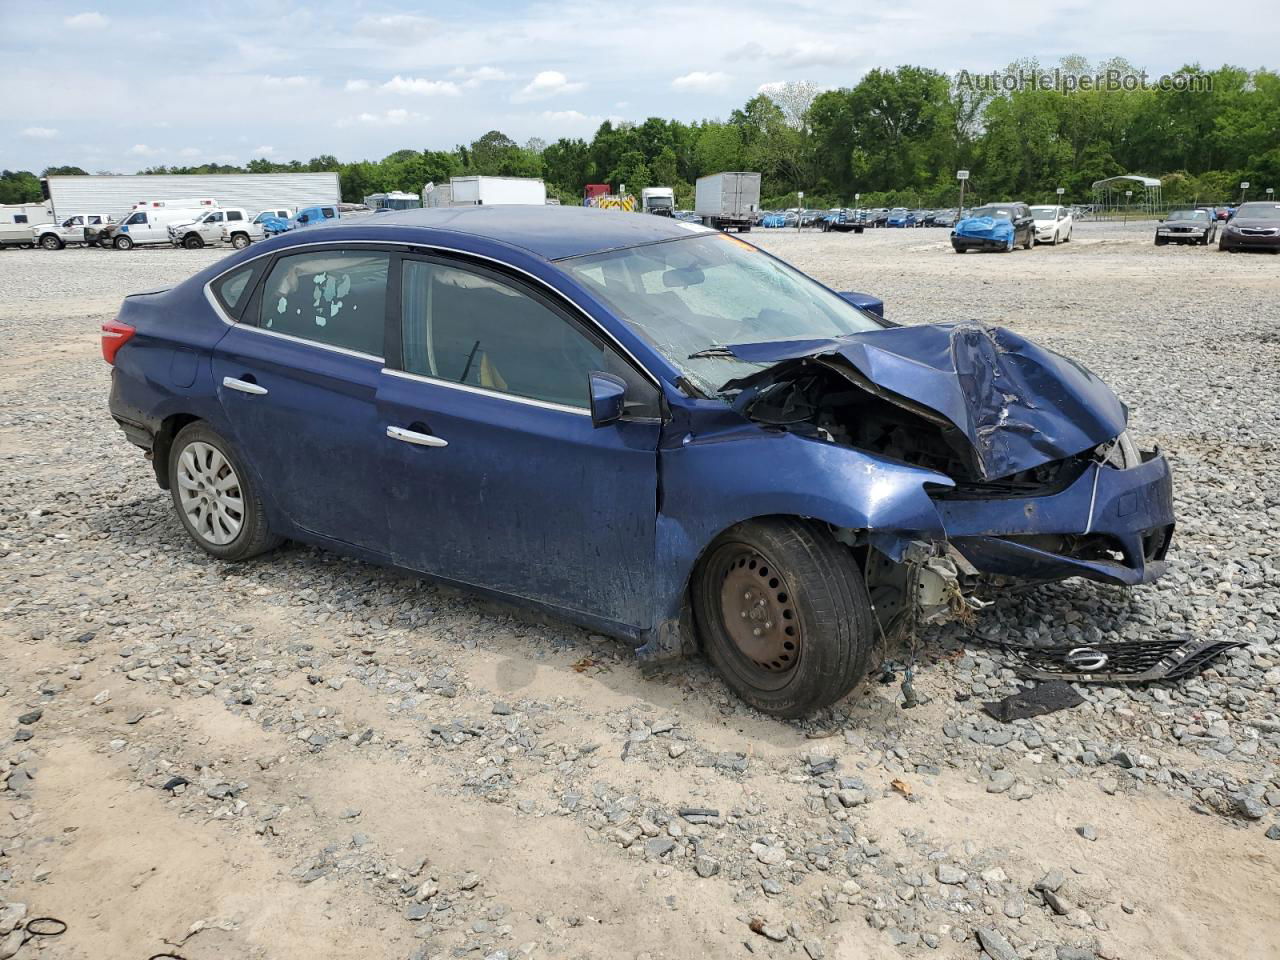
(1131, 177)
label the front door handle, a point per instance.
(244, 386)
(412, 436)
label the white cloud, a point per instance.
(420, 86)
(802, 53)
(398, 28)
(548, 83)
(39, 133)
(142, 150)
(86, 21)
(396, 117)
(473, 77)
(701, 81)
(294, 81)
(813, 53)
(263, 151)
(567, 116)
(355, 86)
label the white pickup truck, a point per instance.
(240, 234)
(55, 236)
(209, 227)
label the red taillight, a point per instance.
(114, 336)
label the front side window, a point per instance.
(336, 297)
(138, 217)
(471, 328)
(328, 213)
(213, 218)
(690, 298)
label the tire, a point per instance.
(812, 603)
(193, 241)
(1009, 247)
(858, 230)
(1031, 239)
(240, 240)
(957, 249)
(122, 243)
(51, 242)
(1054, 241)
(1204, 241)
(1160, 243)
(204, 472)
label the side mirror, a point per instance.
(608, 395)
(865, 301)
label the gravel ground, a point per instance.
(305, 756)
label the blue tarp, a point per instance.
(997, 229)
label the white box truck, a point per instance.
(659, 200)
(725, 200)
(472, 191)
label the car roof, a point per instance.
(552, 232)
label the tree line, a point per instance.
(895, 137)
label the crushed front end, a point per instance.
(1038, 479)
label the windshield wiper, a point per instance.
(710, 353)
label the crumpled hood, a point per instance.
(989, 228)
(1018, 404)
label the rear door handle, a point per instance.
(244, 386)
(412, 436)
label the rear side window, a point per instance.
(19, 218)
(232, 289)
(335, 297)
(234, 215)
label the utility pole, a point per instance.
(962, 176)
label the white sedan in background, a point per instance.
(1053, 224)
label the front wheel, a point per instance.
(192, 241)
(784, 615)
(50, 242)
(123, 243)
(215, 497)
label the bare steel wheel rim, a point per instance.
(210, 493)
(757, 610)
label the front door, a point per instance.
(298, 380)
(496, 475)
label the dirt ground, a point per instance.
(351, 737)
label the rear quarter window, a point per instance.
(232, 289)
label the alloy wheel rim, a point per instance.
(758, 612)
(210, 493)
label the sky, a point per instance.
(119, 87)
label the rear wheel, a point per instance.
(783, 614)
(240, 240)
(215, 497)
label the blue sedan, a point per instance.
(645, 426)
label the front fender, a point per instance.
(712, 482)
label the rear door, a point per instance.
(298, 379)
(496, 475)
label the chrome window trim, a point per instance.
(481, 391)
(592, 323)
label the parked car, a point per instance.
(997, 226)
(878, 217)
(944, 218)
(310, 216)
(55, 236)
(714, 450)
(900, 217)
(1187, 226)
(774, 221)
(210, 227)
(142, 227)
(1052, 224)
(1254, 226)
(844, 221)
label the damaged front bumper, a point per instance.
(1110, 525)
